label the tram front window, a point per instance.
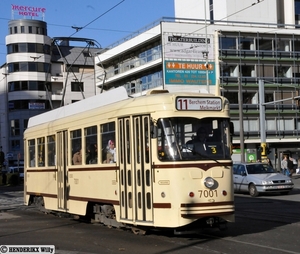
(187, 138)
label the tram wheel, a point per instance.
(138, 231)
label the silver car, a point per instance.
(258, 178)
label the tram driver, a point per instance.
(198, 142)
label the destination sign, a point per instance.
(200, 104)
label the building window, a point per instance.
(246, 43)
(211, 10)
(15, 29)
(22, 29)
(28, 47)
(265, 44)
(25, 123)
(297, 7)
(116, 69)
(72, 68)
(15, 128)
(228, 43)
(248, 70)
(29, 66)
(77, 87)
(15, 145)
(30, 29)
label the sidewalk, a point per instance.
(296, 181)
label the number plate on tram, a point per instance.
(208, 193)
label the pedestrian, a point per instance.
(290, 166)
(269, 162)
(284, 165)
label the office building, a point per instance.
(225, 47)
(40, 74)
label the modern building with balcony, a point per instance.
(40, 74)
(222, 47)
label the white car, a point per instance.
(258, 178)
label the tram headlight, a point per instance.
(209, 182)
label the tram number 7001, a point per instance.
(208, 193)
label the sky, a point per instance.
(105, 21)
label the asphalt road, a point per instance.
(266, 224)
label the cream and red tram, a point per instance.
(160, 176)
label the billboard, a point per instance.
(192, 46)
(189, 73)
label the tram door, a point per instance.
(61, 164)
(135, 169)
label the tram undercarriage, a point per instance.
(105, 214)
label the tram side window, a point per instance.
(108, 137)
(41, 152)
(51, 150)
(91, 144)
(31, 153)
(76, 138)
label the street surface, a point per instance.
(266, 224)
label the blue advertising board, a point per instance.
(189, 73)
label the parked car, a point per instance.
(258, 178)
(17, 169)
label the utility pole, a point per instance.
(242, 147)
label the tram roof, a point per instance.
(104, 99)
(99, 100)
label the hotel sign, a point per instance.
(31, 11)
